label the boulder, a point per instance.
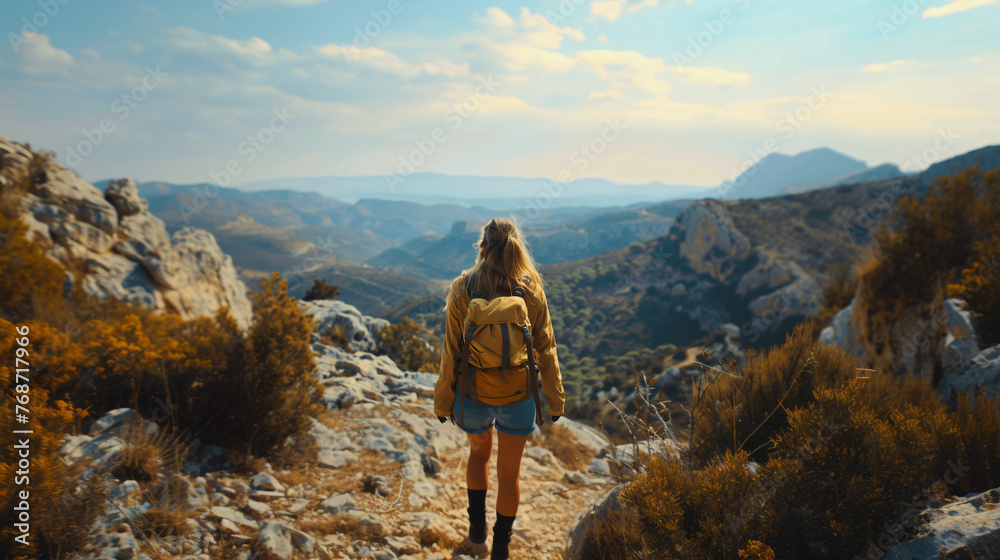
(966, 528)
(589, 517)
(960, 340)
(124, 196)
(207, 275)
(980, 377)
(78, 198)
(276, 539)
(360, 329)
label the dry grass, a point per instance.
(560, 441)
(144, 455)
(337, 336)
(345, 525)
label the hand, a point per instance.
(556, 418)
(443, 419)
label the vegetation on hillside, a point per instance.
(802, 457)
(922, 258)
(202, 379)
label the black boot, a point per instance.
(477, 516)
(501, 537)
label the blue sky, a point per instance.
(683, 92)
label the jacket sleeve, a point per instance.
(444, 396)
(548, 360)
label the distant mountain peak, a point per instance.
(777, 174)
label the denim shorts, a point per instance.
(517, 419)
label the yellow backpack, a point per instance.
(497, 366)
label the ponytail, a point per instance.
(504, 261)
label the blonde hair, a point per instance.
(504, 261)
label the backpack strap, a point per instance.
(463, 372)
(505, 353)
(533, 376)
(478, 294)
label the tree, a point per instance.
(321, 290)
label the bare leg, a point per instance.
(508, 473)
(478, 469)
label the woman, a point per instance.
(503, 266)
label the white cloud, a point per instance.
(253, 49)
(955, 7)
(602, 38)
(883, 67)
(530, 41)
(627, 69)
(710, 76)
(385, 61)
(41, 57)
(612, 9)
(610, 94)
(607, 9)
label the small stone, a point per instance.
(338, 504)
(266, 481)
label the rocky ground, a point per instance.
(384, 480)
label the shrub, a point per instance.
(30, 282)
(270, 390)
(61, 511)
(750, 406)
(825, 461)
(404, 344)
(979, 286)
(337, 336)
(932, 241)
(170, 512)
(145, 455)
(321, 290)
(979, 425)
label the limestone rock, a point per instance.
(360, 329)
(125, 251)
(966, 528)
(124, 196)
(980, 377)
(709, 239)
(276, 539)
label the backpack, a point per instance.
(497, 366)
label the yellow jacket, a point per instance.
(544, 343)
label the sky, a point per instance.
(685, 92)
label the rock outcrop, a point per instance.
(965, 528)
(360, 329)
(715, 276)
(122, 249)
